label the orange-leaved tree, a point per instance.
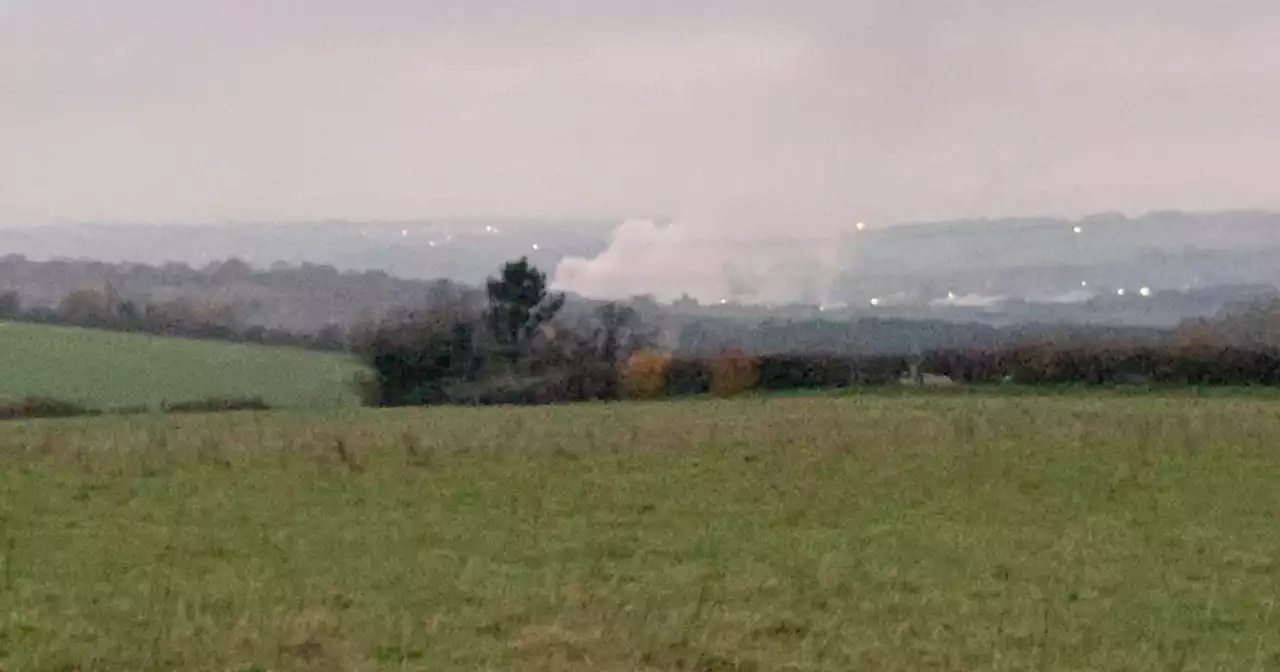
(733, 372)
(644, 374)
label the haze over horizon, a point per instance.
(886, 110)
(740, 119)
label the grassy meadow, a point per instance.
(114, 369)
(877, 533)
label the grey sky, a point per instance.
(885, 110)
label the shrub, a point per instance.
(882, 370)
(644, 374)
(218, 405)
(42, 407)
(974, 366)
(502, 390)
(797, 372)
(733, 372)
(415, 360)
(1111, 365)
(687, 376)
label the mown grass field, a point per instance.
(112, 369)
(948, 533)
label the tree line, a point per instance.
(516, 344)
(515, 341)
(302, 299)
(209, 320)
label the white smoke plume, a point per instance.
(746, 255)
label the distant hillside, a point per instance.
(1042, 260)
(1152, 271)
(101, 369)
(460, 250)
(1058, 261)
(296, 298)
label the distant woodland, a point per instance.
(302, 299)
(319, 307)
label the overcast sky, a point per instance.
(885, 110)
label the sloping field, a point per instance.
(103, 368)
(955, 533)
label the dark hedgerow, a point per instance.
(42, 407)
(687, 376)
(798, 372)
(885, 370)
(1048, 365)
(807, 371)
(32, 408)
(218, 405)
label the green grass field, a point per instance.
(948, 533)
(103, 368)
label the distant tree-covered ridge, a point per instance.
(300, 299)
(320, 307)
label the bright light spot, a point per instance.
(431, 243)
(488, 229)
(861, 226)
(724, 301)
(404, 232)
(1077, 229)
(1120, 292)
(822, 309)
(875, 302)
(1145, 291)
(535, 246)
(951, 296)
(1084, 283)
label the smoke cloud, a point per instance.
(747, 255)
